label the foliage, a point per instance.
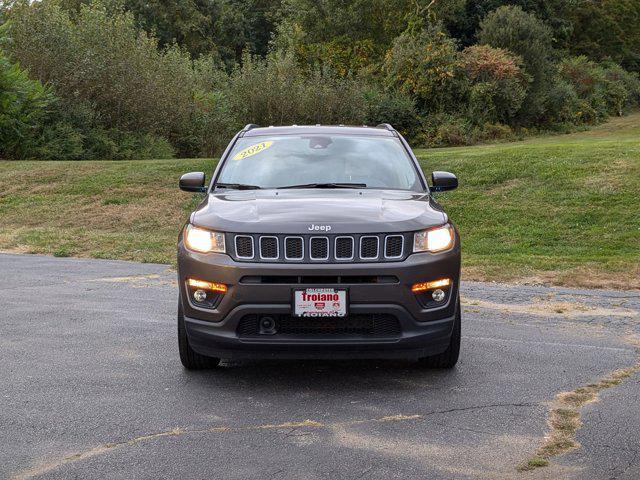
(605, 30)
(344, 35)
(499, 85)
(138, 79)
(277, 91)
(23, 104)
(522, 33)
(456, 129)
(602, 90)
(423, 63)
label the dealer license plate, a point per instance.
(320, 302)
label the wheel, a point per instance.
(191, 360)
(449, 357)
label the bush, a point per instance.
(602, 92)
(424, 64)
(277, 91)
(101, 58)
(499, 85)
(512, 28)
(563, 106)
(23, 104)
(392, 107)
(457, 130)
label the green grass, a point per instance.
(562, 209)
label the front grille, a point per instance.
(370, 325)
(344, 248)
(308, 248)
(393, 246)
(244, 246)
(293, 248)
(269, 248)
(319, 248)
(369, 247)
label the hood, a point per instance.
(318, 211)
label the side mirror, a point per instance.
(443, 181)
(192, 182)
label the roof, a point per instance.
(380, 131)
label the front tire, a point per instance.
(449, 357)
(191, 360)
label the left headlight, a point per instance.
(203, 241)
(434, 239)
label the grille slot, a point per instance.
(344, 248)
(319, 248)
(393, 246)
(293, 248)
(244, 246)
(369, 324)
(269, 248)
(369, 247)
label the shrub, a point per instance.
(602, 91)
(627, 83)
(563, 106)
(499, 85)
(522, 33)
(23, 104)
(100, 57)
(423, 63)
(454, 130)
(392, 107)
(277, 91)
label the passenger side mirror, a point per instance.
(193, 182)
(443, 181)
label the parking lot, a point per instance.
(92, 387)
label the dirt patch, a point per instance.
(139, 281)
(544, 306)
(564, 416)
(54, 464)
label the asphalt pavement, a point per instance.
(92, 387)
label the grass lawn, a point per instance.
(558, 209)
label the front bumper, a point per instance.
(423, 331)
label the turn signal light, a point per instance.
(201, 284)
(424, 286)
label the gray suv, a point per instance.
(318, 242)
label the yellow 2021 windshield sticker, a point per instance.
(252, 150)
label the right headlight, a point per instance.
(434, 239)
(203, 241)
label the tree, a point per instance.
(423, 63)
(605, 30)
(511, 28)
(498, 83)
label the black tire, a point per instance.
(449, 357)
(191, 360)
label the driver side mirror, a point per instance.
(443, 181)
(193, 182)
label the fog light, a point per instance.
(438, 295)
(214, 287)
(421, 287)
(200, 295)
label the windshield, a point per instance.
(291, 160)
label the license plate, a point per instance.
(320, 302)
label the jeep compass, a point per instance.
(318, 242)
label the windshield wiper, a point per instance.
(327, 185)
(238, 186)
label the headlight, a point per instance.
(434, 239)
(203, 241)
